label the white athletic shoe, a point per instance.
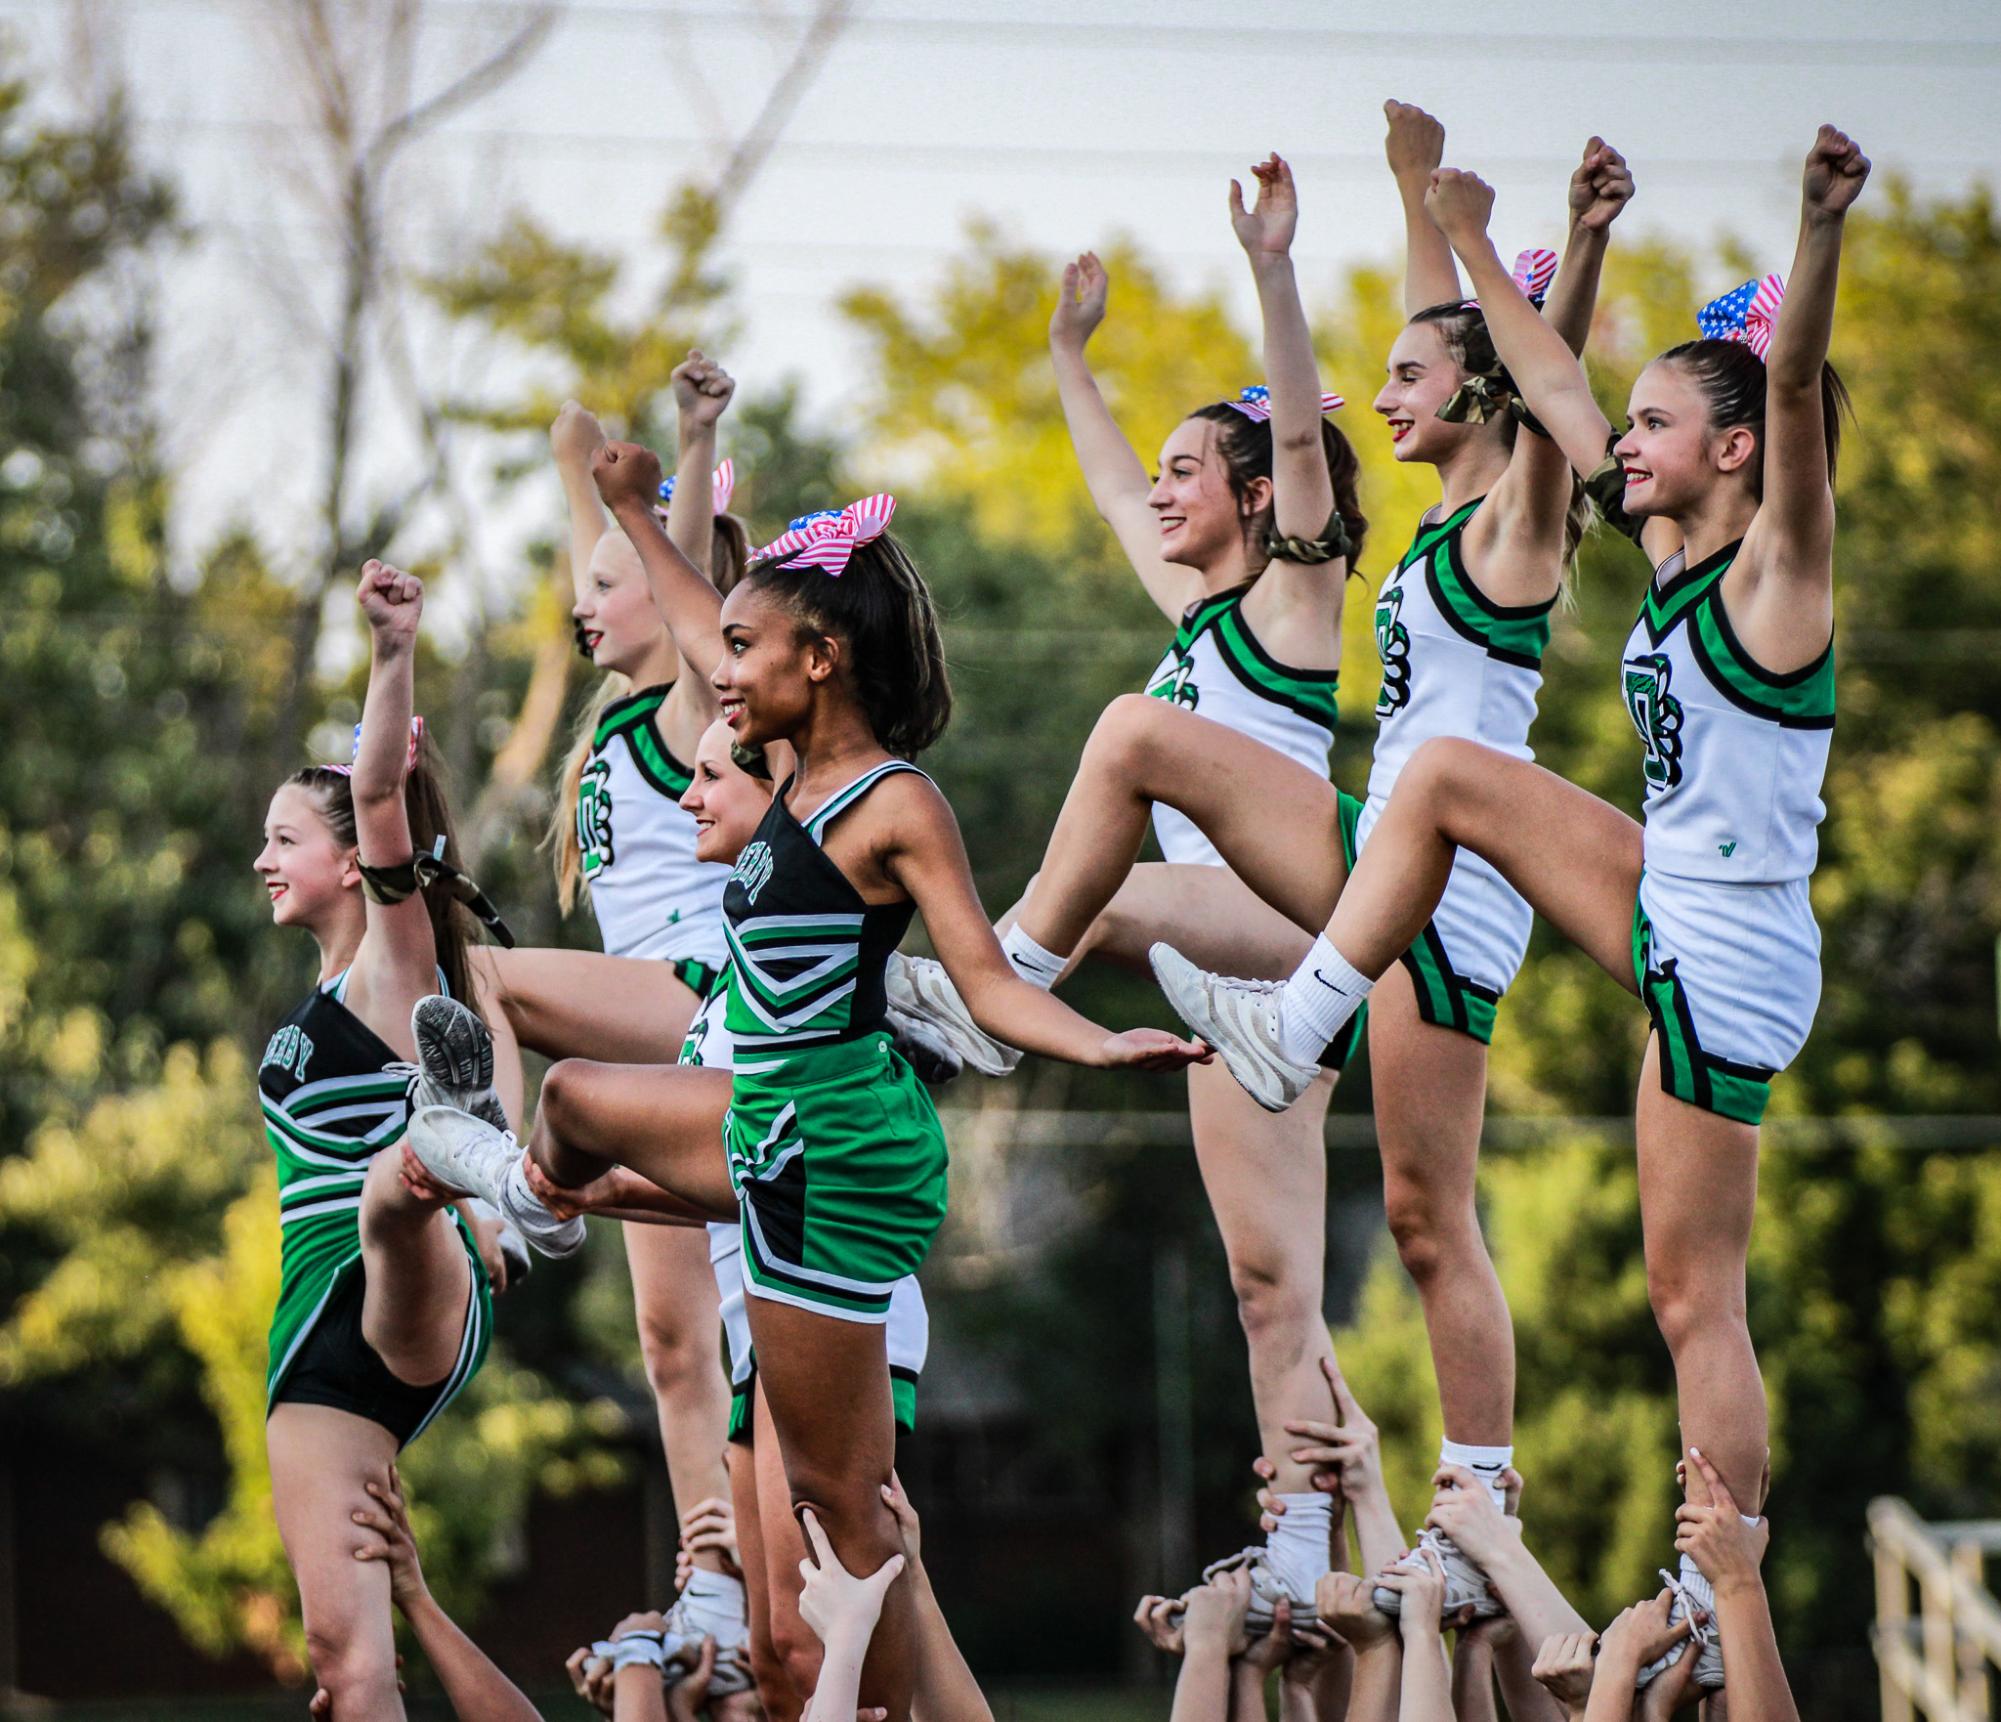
(919, 987)
(923, 1049)
(1240, 1020)
(1267, 1589)
(454, 1060)
(1464, 1582)
(467, 1153)
(724, 1619)
(1691, 1592)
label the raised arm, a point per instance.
(574, 438)
(1795, 525)
(1552, 383)
(1416, 146)
(397, 962)
(1600, 188)
(1115, 476)
(702, 394)
(628, 478)
(1728, 1552)
(1302, 491)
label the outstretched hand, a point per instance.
(1080, 303)
(1836, 170)
(1267, 227)
(1600, 188)
(1416, 141)
(1465, 1512)
(1460, 205)
(702, 390)
(1642, 1634)
(1159, 1617)
(626, 475)
(909, 1532)
(389, 1518)
(1151, 1049)
(391, 600)
(1345, 1603)
(1564, 1667)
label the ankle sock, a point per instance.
(1036, 966)
(1324, 992)
(1297, 1545)
(1486, 1463)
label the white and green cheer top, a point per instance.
(1454, 662)
(1216, 669)
(1734, 755)
(651, 896)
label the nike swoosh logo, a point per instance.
(1329, 985)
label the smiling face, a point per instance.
(770, 667)
(306, 870)
(620, 621)
(1673, 456)
(1422, 376)
(724, 800)
(1201, 521)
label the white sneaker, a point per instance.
(1691, 1592)
(1267, 1589)
(466, 1153)
(919, 987)
(454, 1060)
(724, 1619)
(923, 1048)
(1240, 1020)
(1465, 1584)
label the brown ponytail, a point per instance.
(429, 814)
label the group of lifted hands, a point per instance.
(1390, 1648)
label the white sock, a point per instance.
(1298, 1543)
(1486, 1463)
(1036, 966)
(1324, 992)
(519, 1202)
(713, 1603)
(1691, 1573)
(1754, 1520)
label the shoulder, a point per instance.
(911, 811)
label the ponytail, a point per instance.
(429, 816)
(1730, 376)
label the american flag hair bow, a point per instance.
(725, 487)
(1255, 403)
(1534, 270)
(410, 764)
(1748, 313)
(827, 539)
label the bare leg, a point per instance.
(782, 1702)
(798, 1647)
(1575, 858)
(1698, 1189)
(674, 1301)
(413, 1307)
(1145, 751)
(664, 1121)
(1430, 1087)
(583, 1004)
(1266, 1178)
(1207, 914)
(321, 1462)
(827, 1382)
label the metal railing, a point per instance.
(1941, 1661)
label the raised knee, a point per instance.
(1120, 735)
(561, 1088)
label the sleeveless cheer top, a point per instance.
(1216, 668)
(1734, 756)
(807, 954)
(335, 1095)
(1454, 663)
(637, 848)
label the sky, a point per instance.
(1063, 121)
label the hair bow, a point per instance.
(410, 764)
(1748, 313)
(1534, 270)
(1255, 403)
(826, 539)
(724, 482)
